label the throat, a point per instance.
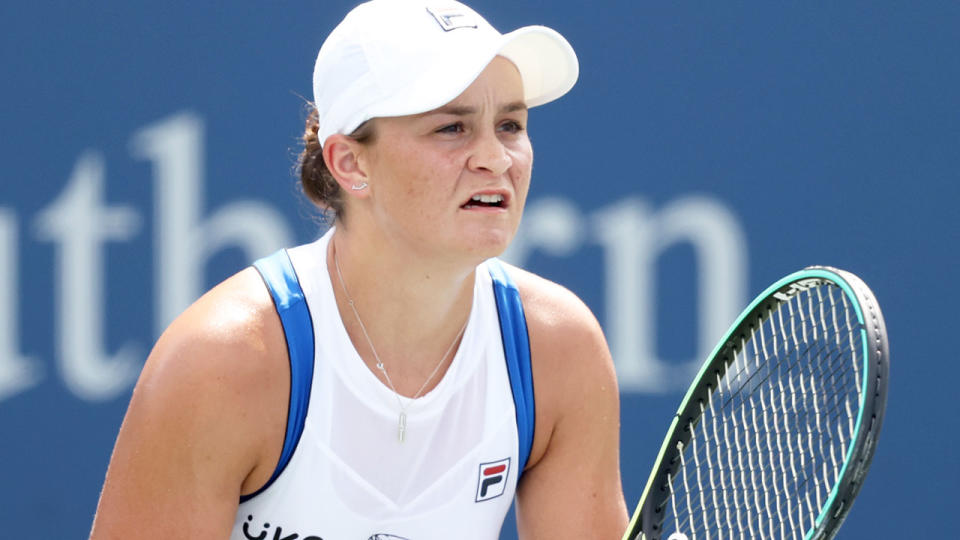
(407, 335)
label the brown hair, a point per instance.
(316, 180)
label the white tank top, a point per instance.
(347, 476)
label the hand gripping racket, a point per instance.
(775, 435)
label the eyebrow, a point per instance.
(465, 111)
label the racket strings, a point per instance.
(779, 442)
(773, 435)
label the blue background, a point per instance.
(830, 134)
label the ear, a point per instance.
(342, 156)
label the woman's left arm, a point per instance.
(571, 487)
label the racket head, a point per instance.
(872, 353)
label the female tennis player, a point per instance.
(391, 380)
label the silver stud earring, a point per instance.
(359, 187)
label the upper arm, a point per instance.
(206, 408)
(571, 488)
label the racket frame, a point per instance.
(873, 401)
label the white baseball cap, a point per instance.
(403, 57)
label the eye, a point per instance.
(452, 128)
(511, 126)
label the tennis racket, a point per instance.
(777, 431)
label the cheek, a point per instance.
(399, 171)
(429, 175)
(522, 167)
(420, 179)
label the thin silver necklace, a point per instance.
(402, 423)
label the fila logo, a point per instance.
(452, 18)
(492, 480)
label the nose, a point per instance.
(489, 155)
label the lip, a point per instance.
(504, 205)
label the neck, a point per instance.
(412, 308)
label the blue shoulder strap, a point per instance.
(281, 279)
(516, 348)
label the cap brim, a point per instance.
(546, 61)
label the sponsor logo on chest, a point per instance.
(492, 479)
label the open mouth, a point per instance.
(486, 200)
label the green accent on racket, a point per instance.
(776, 433)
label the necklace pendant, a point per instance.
(403, 426)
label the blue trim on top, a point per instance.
(516, 349)
(281, 279)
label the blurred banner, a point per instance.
(708, 149)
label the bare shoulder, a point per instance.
(572, 367)
(232, 330)
(206, 420)
(225, 359)
(560, 321)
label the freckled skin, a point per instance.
(423, 168)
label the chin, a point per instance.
(490, 243)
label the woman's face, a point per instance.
(453, 181)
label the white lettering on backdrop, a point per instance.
(630, 233)
(632, 236)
